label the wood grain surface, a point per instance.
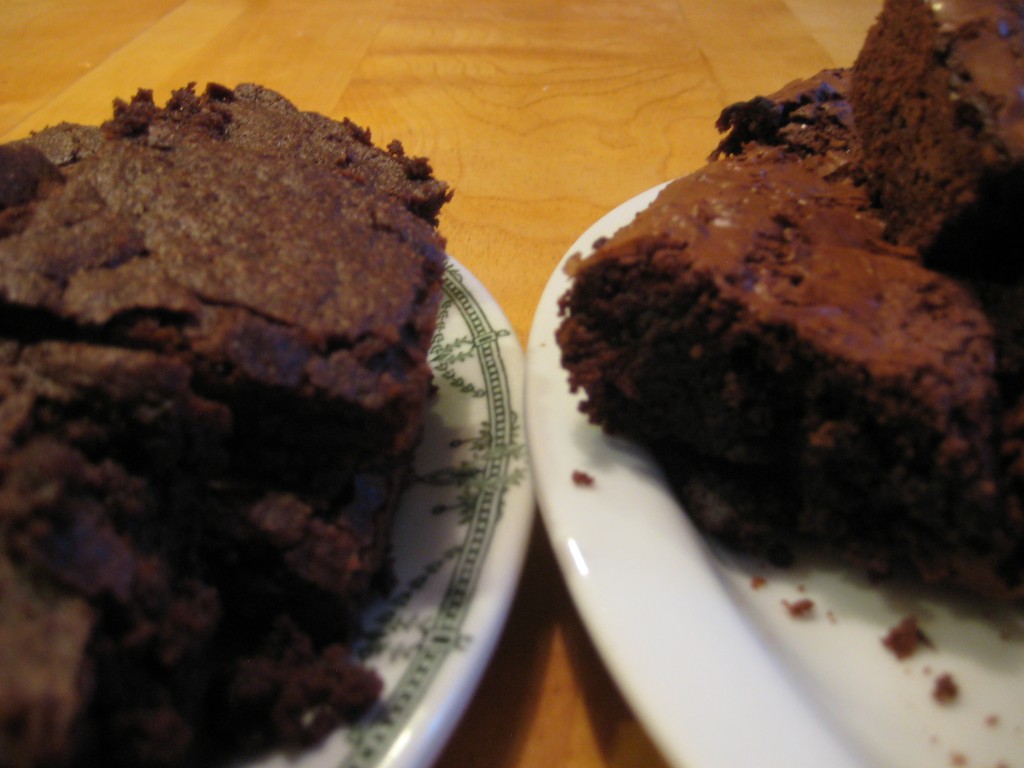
(543, 115)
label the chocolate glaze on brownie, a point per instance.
(792, 370)
(939, 106)
(213, 374)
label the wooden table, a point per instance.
(543, 115)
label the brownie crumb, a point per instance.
(581, 478)
(904, 638)
(799, 608)
(572, 264)
(757, 582)
(946, 690)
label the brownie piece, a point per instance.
(213, 376)
(793, 371)
(810, 118)
(151, 219)
(262, 121)
(938, 102)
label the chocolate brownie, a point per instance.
(810, 118)
(213, 375)
(262, 121)
(44, 676)
(939, 107)
(792, 370)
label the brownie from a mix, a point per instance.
(213, 376)
(792, 370)
(940, 110)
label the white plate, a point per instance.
(460, 539)
(720, 672)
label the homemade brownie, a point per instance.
(793, 371)
(213, 375)
(810, 118)
(262, 121)
(939, 106)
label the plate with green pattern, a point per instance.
(459, 542)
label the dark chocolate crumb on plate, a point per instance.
(905, 638)
(581, 478)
